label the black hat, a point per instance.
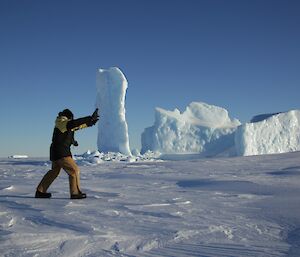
(67, 113)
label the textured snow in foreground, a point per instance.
(244, 206)
(277, 134)
(201, 128)
(112, 128)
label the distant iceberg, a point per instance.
(18, 156)
(279, 133)
(201, 128)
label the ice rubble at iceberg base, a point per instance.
(96, 157)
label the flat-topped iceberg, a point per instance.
(278, 133)
(201, 128)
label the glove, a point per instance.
(95, 115)
(94, 118)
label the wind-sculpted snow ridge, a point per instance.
(278, 133)
(96, 157)
(201, 128)
(243, 206)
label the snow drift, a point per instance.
(277, 134)
(201, 128)
(112, 128)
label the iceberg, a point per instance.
(18, 156)
(112, 127)
(279, 133)
(201, 128)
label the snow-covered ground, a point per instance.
(242, 206)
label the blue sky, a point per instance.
(242, 55)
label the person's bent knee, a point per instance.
(72, 173)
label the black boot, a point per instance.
(39, 194)
(78, 196)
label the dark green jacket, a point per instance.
(63, 135)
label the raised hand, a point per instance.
(95, 115)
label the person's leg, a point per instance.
(70, 166)
(50, 176)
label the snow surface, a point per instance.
(243, 206)
(112, 128)
(277, 134)
(201, 128)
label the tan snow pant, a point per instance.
(69, 165)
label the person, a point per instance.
(60, 153)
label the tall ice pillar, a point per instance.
(112, 126)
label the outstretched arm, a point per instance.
(79, 123)
(84, 122)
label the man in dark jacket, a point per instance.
(60, 153)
